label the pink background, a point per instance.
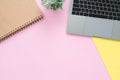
(45, 52)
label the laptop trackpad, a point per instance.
(98, 27)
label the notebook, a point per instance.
(15, 15)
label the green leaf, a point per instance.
(53, 4)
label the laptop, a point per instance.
(99, 18)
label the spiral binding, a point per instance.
(20, 28)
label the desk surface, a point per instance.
(45, 52)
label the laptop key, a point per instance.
(97, 8)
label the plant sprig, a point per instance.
(53, 4)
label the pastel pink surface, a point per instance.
(45, 52)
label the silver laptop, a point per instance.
(100, 18)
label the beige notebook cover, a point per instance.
(16, 15)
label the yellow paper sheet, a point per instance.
(110, 53)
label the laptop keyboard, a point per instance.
(107, 9)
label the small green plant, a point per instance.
(53, 4)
